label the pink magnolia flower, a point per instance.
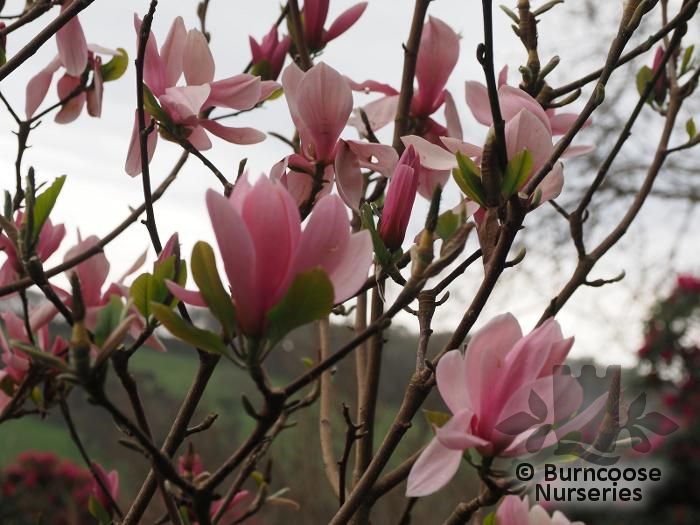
(74, 56)
(92, 274)
(188, 53)
(315, 14)
(268, 56)
(488, 385)
(111, 482)
(512, 100)
(15, 360)
(516, 511)
(258, 231)
(320, 102)
(400, 196)
(437, 57)
(50, 239)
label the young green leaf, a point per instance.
(687, 61)
(468, 178)
(517, 172)
(644, 76)
(690, 128)
(108, 318)
(44, 203)
(204, 339)
(152, 107)
(116, 67)
(209, 283)
(435, 418)
(309, 298)
(98, 511)
(380, 250)
(447, 224)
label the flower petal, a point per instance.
(234, 135)
(197, 60)
(348, 176)
(238, 92)
(172, 51)
(38, 86)
(344, 21)
(451, 375)
(433, 469)
(72, 46)
(133, 156)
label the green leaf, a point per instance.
(490, 519)
(435, 418)
(380, 250)
(98, 511)
(448, 223)
(309, 298)
(148, 288)
(108, 318)
(204, 339)
(262, 69)
(644, 76)
(687, 61)
(116, 67)
(517, 172)
(209, 283)
(152, 107)
(468, 178)
(44, 204)
(690, 128)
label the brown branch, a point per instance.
(39, 8)
(297, 31)
(98, 247)
(40, 39)
(410, 57)
(325, 404)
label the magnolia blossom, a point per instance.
(400, 196)
(320, 102)
(516, 511)
(493, 381)
(74, 56)
(50, 239)
(258, 231)
(662, 84)
(188, 53)
(437, 57)
(15, 360)
(110, 480)
(315, 14)
(268, 55)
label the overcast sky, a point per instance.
(92, 151)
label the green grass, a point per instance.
(31, 433)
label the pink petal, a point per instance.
(272, 218)
(38, 86)
(324, 240)
(372, 86)
(465, 148)
(575, 151)
(378, 157)
(437, 57)
(526, 131)
(238, 254)
(50, 238)
(379, 113)
(503, 76)
(348, 176)
(153, 67)
(324, 104)
(315, 13)
(267, 88)
(72, 47)
(94, 96)
(234, 135)
(71, 109)
(291, 80)
(552, 184)
(199, 139)
(344, 21)
(237, 92)
(451, 375)
(429, 180)
(172, 52)
(513, 511)
(351, 273)
(455, 433)
(514, 100)
(133, 156)
(197, 60)
(191, 297)
(433, 469)
(431, 156)
(91, 272)
(485, 355)
(478, 101)
(184, 103)
(454, 127)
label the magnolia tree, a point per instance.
(323, 233)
